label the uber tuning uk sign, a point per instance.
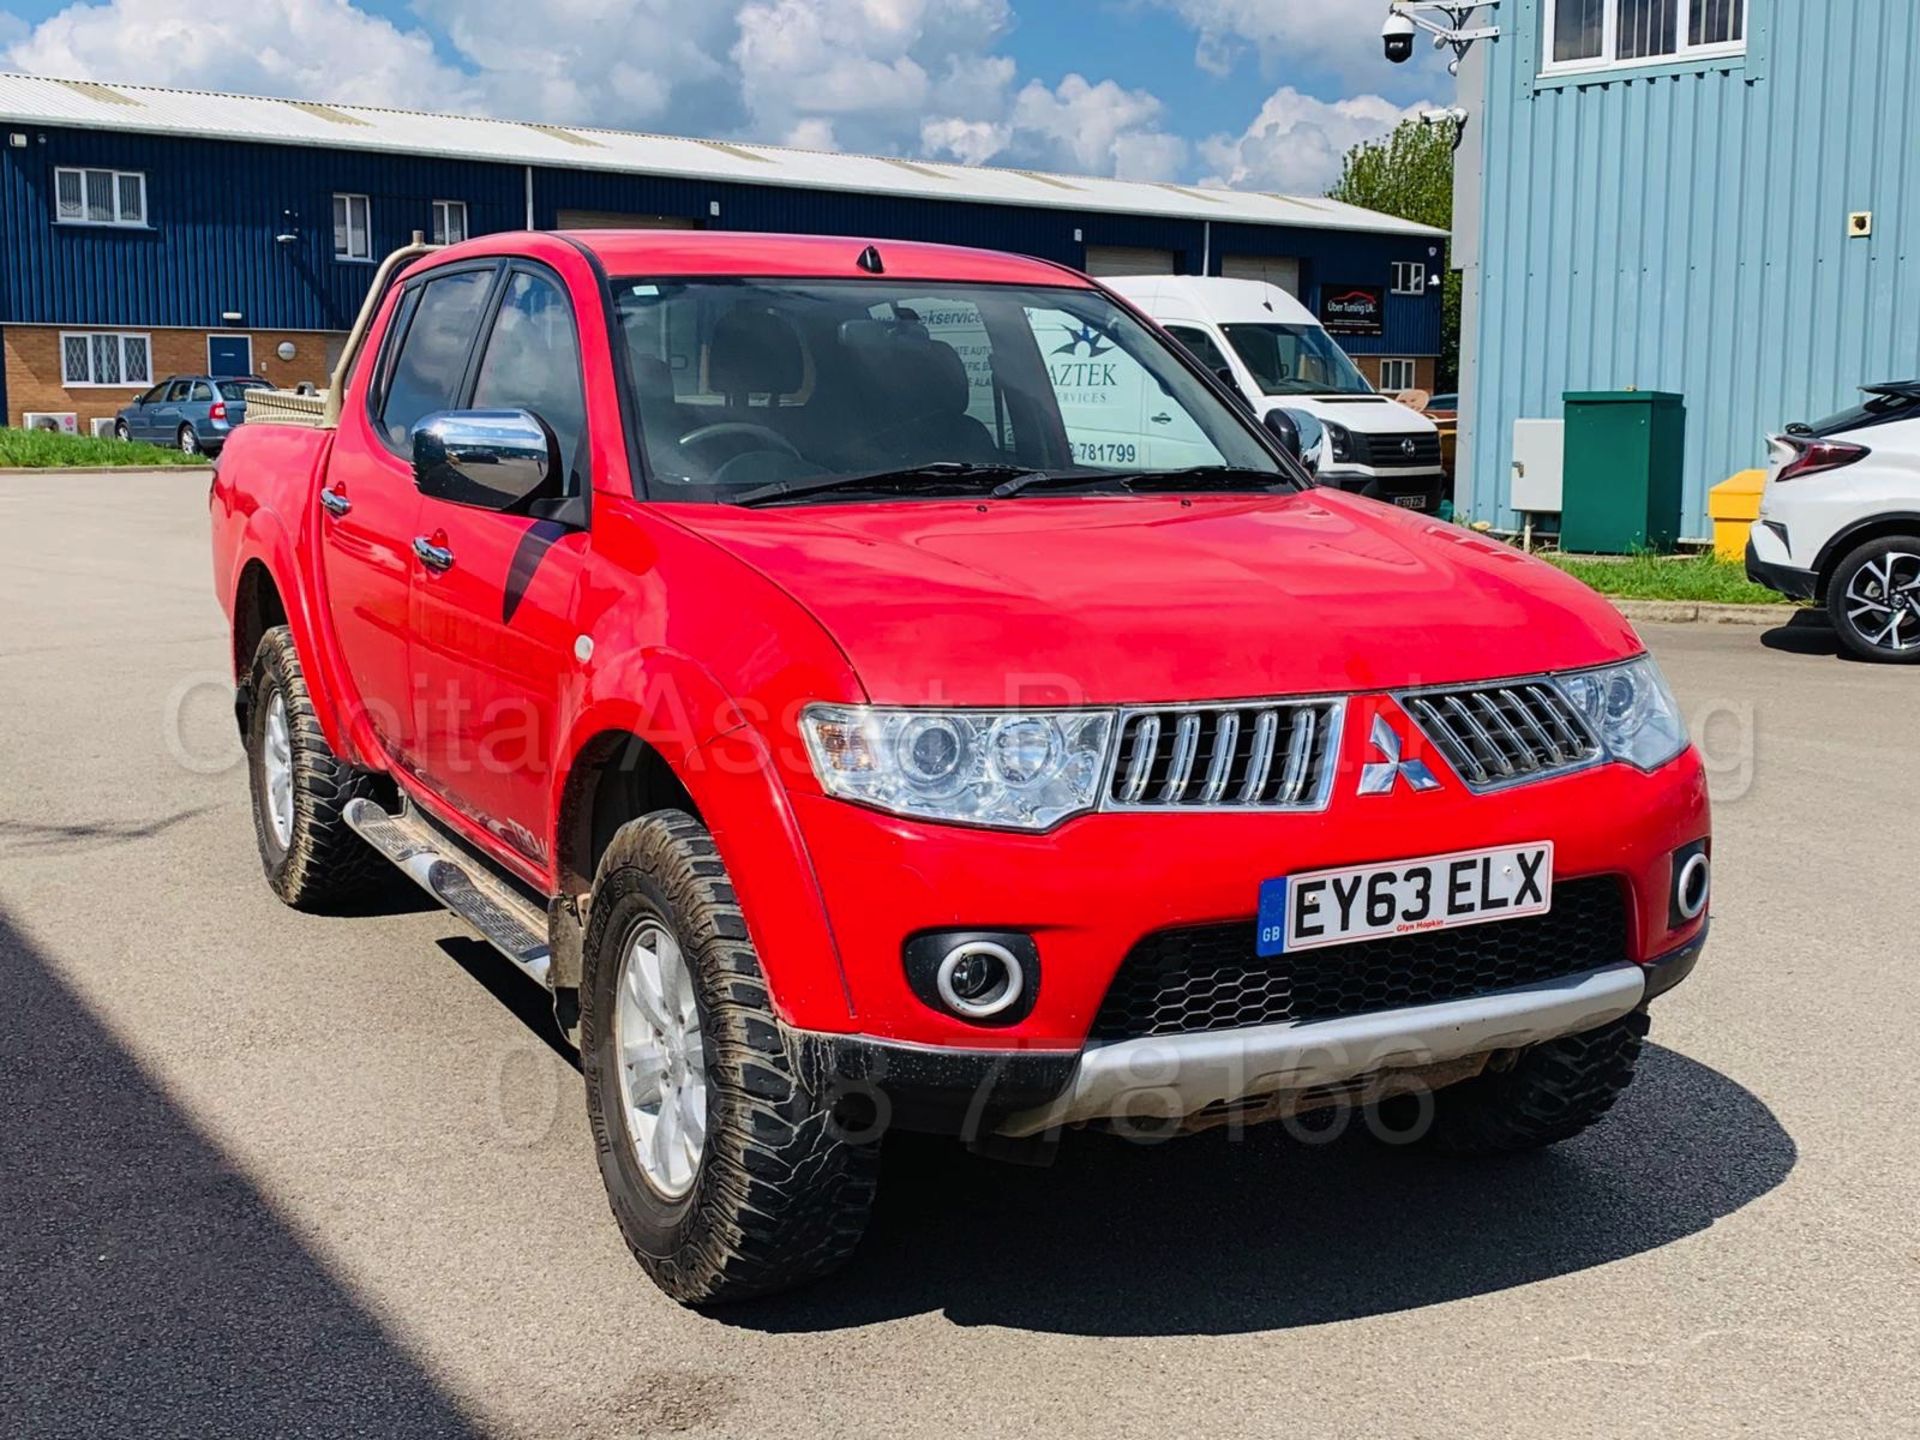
(1353, 309)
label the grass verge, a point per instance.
(1703, 579)
(50, 449)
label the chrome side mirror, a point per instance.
(490, 459)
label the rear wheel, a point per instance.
(1551, 1092)
(1874, 599)
(727, 1173)
(301, 789)
(188, 441)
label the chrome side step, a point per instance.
(504, 918)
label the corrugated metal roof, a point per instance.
(28, 99)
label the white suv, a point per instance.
(1840, 521)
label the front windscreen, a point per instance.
(1296, 360)
(745, 384)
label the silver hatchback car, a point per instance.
(192, 412)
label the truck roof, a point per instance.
(721, 252)
(1212, 297)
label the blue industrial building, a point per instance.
(1719, 198)
(150, 231)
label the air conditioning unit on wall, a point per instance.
(102, 427)
(62, 420)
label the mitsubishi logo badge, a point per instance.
(1378, 777)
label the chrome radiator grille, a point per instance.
(1496, 735)
(1256, 756)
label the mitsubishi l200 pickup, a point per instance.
(735, 631)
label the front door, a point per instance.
(494, 628)
(229, 356)
(369, 508)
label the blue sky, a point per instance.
(1261, 93)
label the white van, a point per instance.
(1269, 346)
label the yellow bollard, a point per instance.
(1734, 504)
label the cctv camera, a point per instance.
(1396, 38)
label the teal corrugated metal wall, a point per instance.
(1687, 230)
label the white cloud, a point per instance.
(1296, 143)
(905, 77)
(657, 64)
(1100, 129)
(304, 49)
(1337, 37)
(971, 142)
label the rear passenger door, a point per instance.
(494, 628)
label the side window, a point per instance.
(202, 391)
(532, 363)
(1202, 346)
(177, 391)
(153, 396)
(432, 358)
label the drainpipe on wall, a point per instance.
(530, 224)
(1206, 247)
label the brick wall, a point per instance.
(32, 357)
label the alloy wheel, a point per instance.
(661, 1059)
(276, 764)
(1883, 601)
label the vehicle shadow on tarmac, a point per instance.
(146, 1288)
(1216, 1234)
(1809, 632)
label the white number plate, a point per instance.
(1468, 887)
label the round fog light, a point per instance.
(1691, 887)
(979, 978)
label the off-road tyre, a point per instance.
(1550, 1093)
(781, 1194)
(326, 865)
(1839, 605)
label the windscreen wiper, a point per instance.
(910, 478)
(1193, 477)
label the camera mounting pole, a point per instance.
(1450, 31)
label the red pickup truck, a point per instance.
(883, 685)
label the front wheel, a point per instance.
(120, 431)
(188, 441)
(1549, 1093)
(726, 1171)
(1874, 600)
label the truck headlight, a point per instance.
(1631, 709)
(1024, 770)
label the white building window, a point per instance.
(449, 222)
(352, 228)
(91, 359)
(1609, 34)
(1409, 277)
(99, 197)
(1395, 376)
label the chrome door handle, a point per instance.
(335, 502)
(434, 557)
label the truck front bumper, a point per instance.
(1167, 1079)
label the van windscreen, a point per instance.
(1296, 360)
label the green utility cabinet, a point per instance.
(1621, 485)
